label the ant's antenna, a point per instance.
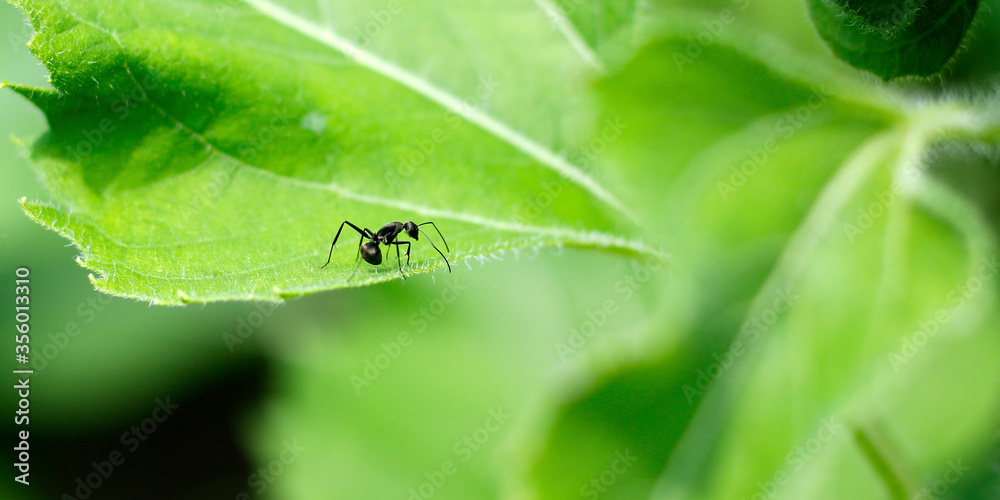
(439, 234)
(429, 240)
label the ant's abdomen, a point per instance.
(371, 253)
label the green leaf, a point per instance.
(895, 38)
(628, 420)
(204, 152)
(817, 257)
(888, 302)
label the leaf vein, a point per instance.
(449, 101)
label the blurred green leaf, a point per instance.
(896, 38)
(813, 250)
(613, 439)
(219, 164)
(876, 322)
(746, 161)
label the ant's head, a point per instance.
(371, 253)
(411, 230)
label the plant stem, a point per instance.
(880, 462)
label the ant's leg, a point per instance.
(356, 228)
(407, 243)
(439, 234)
(357, 264)
(400, 261)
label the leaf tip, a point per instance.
(20, 145)
(183, 296)
(44, 99)
(31, 209)
(98, 282)
(284, 295)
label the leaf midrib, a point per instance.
(586, 239)
(487, 122)
(561, 21)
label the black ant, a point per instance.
(369, 250)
